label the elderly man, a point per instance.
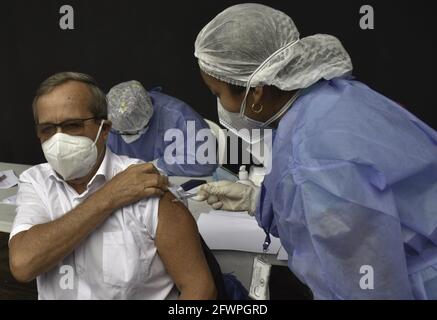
(90, 224)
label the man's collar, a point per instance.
(104, 169)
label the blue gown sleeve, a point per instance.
(177, 118)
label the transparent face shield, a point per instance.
(248, 129)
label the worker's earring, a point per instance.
(259, 110)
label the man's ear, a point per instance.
(106, 129)
(257, 94)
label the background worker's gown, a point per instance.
(168, 113)
(354, 184)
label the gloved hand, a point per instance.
(230, 196)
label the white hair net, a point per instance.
(252, 44)
(129, 107)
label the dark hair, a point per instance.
(99, 105)
(236, 90)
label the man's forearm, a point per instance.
(38, 249)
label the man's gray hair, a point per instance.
(99, 105)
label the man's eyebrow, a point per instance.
(70, 119)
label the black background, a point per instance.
(153, 42)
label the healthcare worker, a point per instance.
(140, 120)
(352, 194)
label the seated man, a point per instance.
(84, 227)
(140, 120)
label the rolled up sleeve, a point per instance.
(30, 209)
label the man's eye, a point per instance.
(46, 129)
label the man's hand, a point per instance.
(137, 182)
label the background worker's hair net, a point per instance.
(129, 107)
(252, 37)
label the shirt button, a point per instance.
(80, 270)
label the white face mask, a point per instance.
(237, 122)
(249, 130)
(130, 138)
(72, 157)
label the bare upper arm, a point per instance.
(178, 244)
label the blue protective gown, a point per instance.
(169, 113)
(353, 185)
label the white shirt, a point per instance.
(118, 260)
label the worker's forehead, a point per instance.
(212, 82)
(69, 100)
